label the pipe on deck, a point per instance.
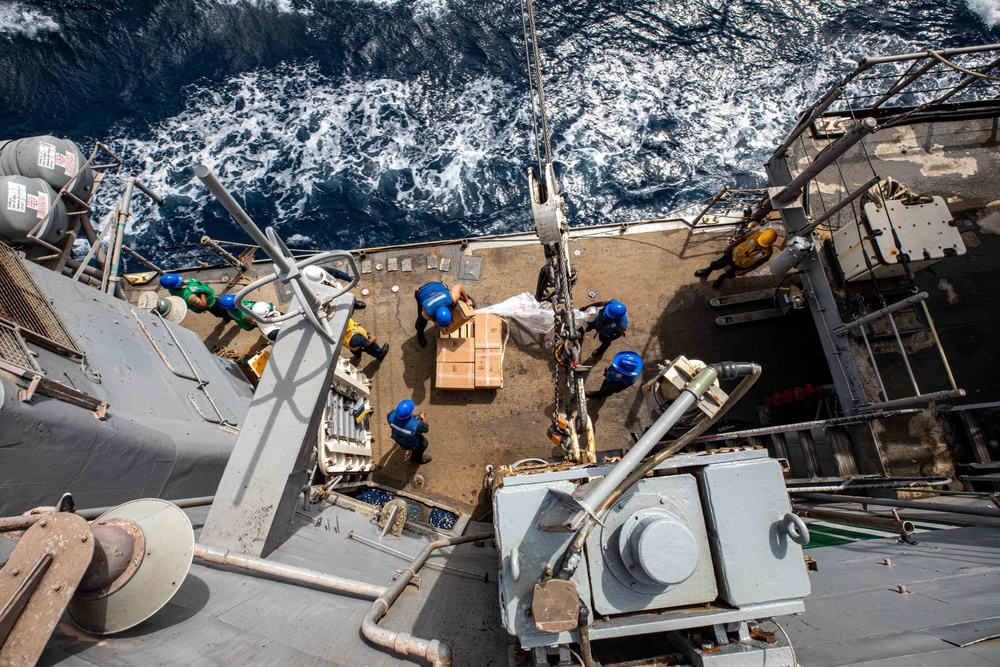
(25, 521)
(901, 526)
(403, 643)
(971, 510)
(287, 573)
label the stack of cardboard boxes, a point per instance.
(489, 369)
(469, 356)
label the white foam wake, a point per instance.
(988, 11)
(637, 127)
(638, 134)
(430, 9)
(17, 20)
(292, 136)
(282, 6)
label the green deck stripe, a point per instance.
(848, 534)
(818, 539)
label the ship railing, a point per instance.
(947, 85)
(929, 86)
(902, 86)
(730, 207)
(724, 210)
(105, 276)
(60, 258)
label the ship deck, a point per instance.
(649, 267)
(855, 615)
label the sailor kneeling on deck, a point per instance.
(261, 309)
(357, 341)
(742, 256)
(620, 375)
(408, 430)
(198, 296)
(436, 302)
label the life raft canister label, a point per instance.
(46, 155)
(16, 197)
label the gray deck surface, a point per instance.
(856, 616)
(219, 617)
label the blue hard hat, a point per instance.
(228, 301)
(404, 409)
(615, 308)
(442, 316)
(171, 280)
(627, 363)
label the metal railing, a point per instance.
(931, 86)
(912, 83)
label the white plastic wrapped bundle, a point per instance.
(528, 321)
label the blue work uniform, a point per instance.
(609, 327)
(614, 382)
(409, 435)
(430, 297)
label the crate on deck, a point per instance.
(471, 356)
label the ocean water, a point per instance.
(355, 123)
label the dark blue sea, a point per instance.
(355, 123)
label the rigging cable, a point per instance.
(531, 88)
(538, 78)
(961, 69)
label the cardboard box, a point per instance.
(464, 331)
(460, 314)
(487, 331)
(455, 375)
(456, 350)
(489, 369)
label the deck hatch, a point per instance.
(23, 304)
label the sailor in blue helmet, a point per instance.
(611, 323)
(408, 430)
(436, 302)
(228, 302)
(198, 296)
(620, 375)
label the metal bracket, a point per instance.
(565, 513)
(37, 583)
(39, 384)
(778, 205)
(26, 395)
